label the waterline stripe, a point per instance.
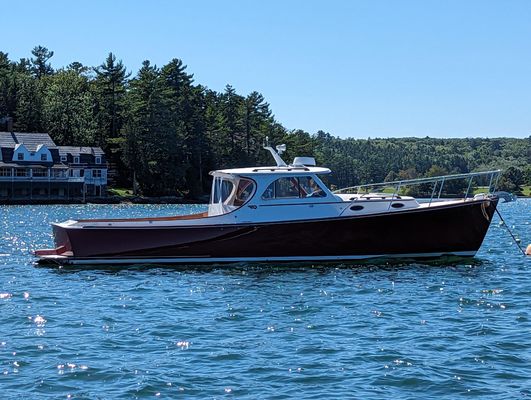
(205, 260)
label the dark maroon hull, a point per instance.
(451, 229)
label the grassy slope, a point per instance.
(119, 192)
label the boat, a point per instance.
(286, 213)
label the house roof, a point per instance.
(30, 140)
(76, 151)
(34, 141)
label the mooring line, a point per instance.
(510, 233)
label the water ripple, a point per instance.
(406, 330)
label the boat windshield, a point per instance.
(229, 193)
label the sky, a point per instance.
(353, 68)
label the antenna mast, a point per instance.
(281, 148)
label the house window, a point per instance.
(76, 160)
(77, 173)
(20, 156)
(98, 160)
(40, 172)
(293, 188)
(44, 157)
(58, 173)
(21, 172)
(96, 173)
(5, 171)
(63, 157)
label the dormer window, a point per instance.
(63, 157)
(98, 160)
(76, 160)
(20, 156)
(44, 157)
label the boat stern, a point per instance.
(62, 249)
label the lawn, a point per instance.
(526, 190)
(120, 192)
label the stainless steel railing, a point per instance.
(486, 179)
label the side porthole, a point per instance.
(397, 205)
(356, 208)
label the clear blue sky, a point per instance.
(352, 68)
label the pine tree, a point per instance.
(182, 99)
(6, 106)
(78, 68)
(29, 103)
(150, 141)
(233, 121)
(39, 62)
(110, 86)
(257, 117)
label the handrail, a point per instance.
(493, 176)
(418, 181)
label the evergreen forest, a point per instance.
(163, 132)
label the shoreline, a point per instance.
(106, 200)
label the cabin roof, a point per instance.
(289, 170)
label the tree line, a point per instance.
(163, 132)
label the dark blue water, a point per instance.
(407, 330)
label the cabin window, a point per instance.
(76, 160)
(20, 156)
(229, 193)
(63, 157)
(96, 173)
(293, 188)
(98, 160)
(244, 191)
(310, 188)
(44, 157)
(222, 190)
(286, 188)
